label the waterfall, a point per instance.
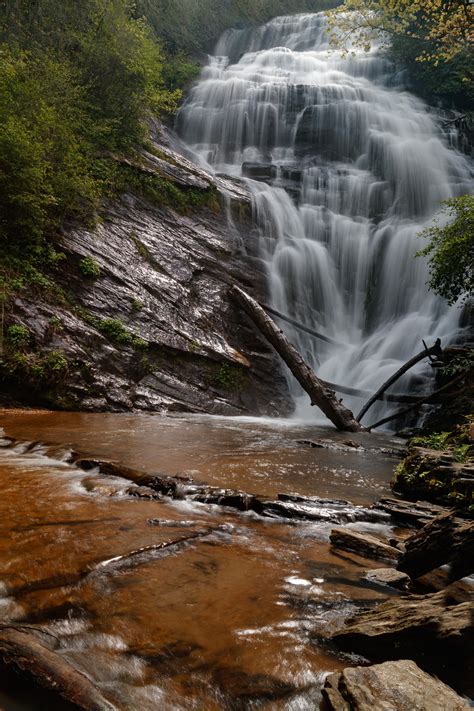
(346, 168)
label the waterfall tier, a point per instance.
(346, 168)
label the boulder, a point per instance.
(363, 544)
(393, 686)
(263, 172)
(432, 629)
(389, 576)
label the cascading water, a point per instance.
(346, 168)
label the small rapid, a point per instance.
(346, 168)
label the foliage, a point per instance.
(460, 363)
(114, 329)
(422, 475)
(18, 336)
(445, 27)
(137, 305)
(451, 250)
(434, 441)
(35, 369)
(193, 26)
(89, 268)
(76, 80)
(230, 377)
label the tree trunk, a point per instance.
(23, 650)
(433, 351)
(321, 395)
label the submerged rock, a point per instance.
(393, 686)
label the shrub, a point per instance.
(89, 268)
(18, 336)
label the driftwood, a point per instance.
(321, 396)
(300, 326)
(443, 540)
(420, 401)
(33, 655)
(426, 353)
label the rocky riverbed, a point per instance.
(187, 560)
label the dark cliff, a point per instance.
(145, 322)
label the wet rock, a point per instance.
(313, 508)
(400, 686)
(239, 500)
(427, 628)
(263, 172)
(416, 513)
(389, 576)
(143, 492)
(164, 276)
(444, 540)
(435, 476)
(363, 544)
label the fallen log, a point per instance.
(36, 657)
(420, 401)
(426, 353)
(321, 396)
(300, 326)
(443, 540)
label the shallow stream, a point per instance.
(230, 620)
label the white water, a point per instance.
(359, 168)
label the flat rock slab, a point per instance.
(389, 576)
(433, 630)
(363, 544)
(393, 686)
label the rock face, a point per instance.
(431, 629)
(393, 686)
(436, 476)
(155, 330)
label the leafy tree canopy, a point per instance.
(451, 250)
(445, 28)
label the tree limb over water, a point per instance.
(321, 395)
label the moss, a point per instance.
(137, 305)
(431, 469)
(141, 249)
(160, 190)
(114, 329)
(230, 378)
(89, 268)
